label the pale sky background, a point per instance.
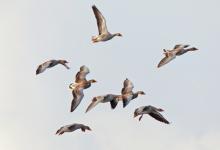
(33, 107)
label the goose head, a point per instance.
(92, 81)
(137, 112)
(64, 62)
(141, 93)
(117, 34)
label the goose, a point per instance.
(178, 50)
(80, 84)
(49, 64)
(72, 127)
(128, 94)
(113, 99)
(104, 34)
(152, 111)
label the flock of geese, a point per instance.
(127, 93)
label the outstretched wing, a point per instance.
(114, 103)
(41, 68)
(81, 75)
(156, 115)
(166, 60)
(180, 46)
(101, 23)
(128, 87)
(59, 130)
(77, 98)
(177, 46)
(126, 99)
(113, 99)
(95, 101)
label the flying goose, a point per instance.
(178, 50)
(80, 84)
(152, 111)
(127, 92)
(72, 127)
(49, 64)
(104, 35)
(113, 99)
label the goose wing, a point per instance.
(177, 46)
(156, 115)
(114, 102)
(126, 99)
(77, 98)
(128, 87)
(101, 23)
(62, 129)
(73, 127)
(59, 130)
(113, 99)
(81, 75)
(95, 101)
(42, 67)
(166, 60)
(180, 46)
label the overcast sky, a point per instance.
(33, 107)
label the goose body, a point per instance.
(80, 84)
(152, 111)
(127, 92)
(49, 64)
(104, 34)
(72, 127)
(178, 50)
(113, 99)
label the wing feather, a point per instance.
(95, 101)
(159, 117)
(166, 60)
(128, 87)
(77, 98)
(101, 23)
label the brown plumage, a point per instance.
(80, 84)
(81, 75)
(104, 34)
(178, 50)
(49, 64)
(127, 92)
(72, 127)
(152, 111)
(113, 99)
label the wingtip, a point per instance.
(86, 110)
(89, 129)
(194, 48)
(158, 66)
(168, 122)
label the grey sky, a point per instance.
(33, 107)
